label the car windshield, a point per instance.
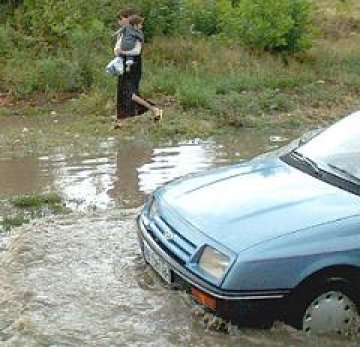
(337, 149)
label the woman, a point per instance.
(129, 103)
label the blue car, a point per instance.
(267, 239)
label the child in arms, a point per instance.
(130, 40)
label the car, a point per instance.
(270, 239)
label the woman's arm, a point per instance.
(117, 48)
(135, 51)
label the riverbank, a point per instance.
(321, 102)
(206, 86)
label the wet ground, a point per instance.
(122, 173)
(79, 280)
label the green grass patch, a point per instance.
(36, 201)
(195, 95)
(10, 222)
(22, 209)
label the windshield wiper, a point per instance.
(309, 162)
(345, 173)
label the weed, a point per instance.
(194, 95)
(36, 201)
(21, 209)
(10, 222)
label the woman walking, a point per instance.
(129, 103)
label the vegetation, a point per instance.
(52, 200)
(213, 65)
(10, 222)
(20, 210)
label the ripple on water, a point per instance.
(122, 174)
(80, 280)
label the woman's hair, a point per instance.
(135, 20)
(127, 12)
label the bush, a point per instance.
(282, 25)
(6, 44)
(55, 21)
(50, 74)
(203, 16)
(164, 17)
(86, 64)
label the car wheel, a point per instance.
(327, 307)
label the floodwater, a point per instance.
(79, 279)
(121, 174)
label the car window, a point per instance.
(337, 148)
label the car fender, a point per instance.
(335, 264)
(285, 262)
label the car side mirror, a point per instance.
(308, 136)
(302, 141)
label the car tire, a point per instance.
(327, 306)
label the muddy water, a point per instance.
(79, 280)
(123, 173)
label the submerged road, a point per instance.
(80, 280)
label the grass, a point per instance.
(206, 86)
(37, 201)
(19, 210)
(10, 222)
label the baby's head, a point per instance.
(136, 21)
(125, 14)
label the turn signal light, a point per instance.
(204, 299)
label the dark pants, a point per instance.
(127, 85)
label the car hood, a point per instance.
(244, 205)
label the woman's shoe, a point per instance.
(159, 115)
(119, 124)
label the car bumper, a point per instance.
(239, 306)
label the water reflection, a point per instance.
(122, 174)
(129, 156)
(20, 176)
(169, 163)
(83, 181)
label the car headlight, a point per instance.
(153, 209)
(213, 262)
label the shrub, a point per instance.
(164, 17)
(203, 16)
(50, 74)
(6, 44)
(281, 25)
(84, 64)
(54, 21)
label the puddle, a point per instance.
(122, 174)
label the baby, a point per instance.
(130, 40)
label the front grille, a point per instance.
(162, 245)
(176, 245)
